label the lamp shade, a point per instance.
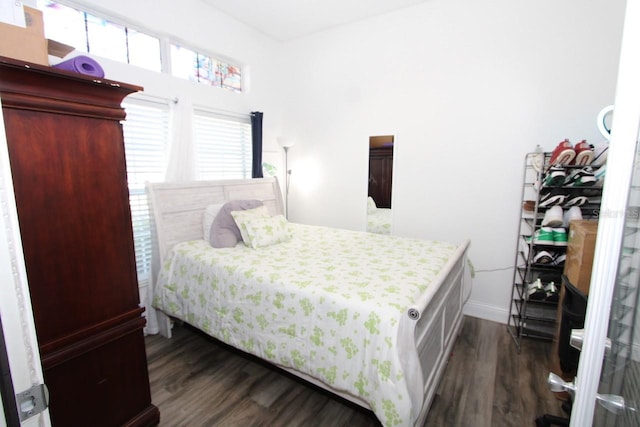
(285, 142)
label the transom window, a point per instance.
(102, 37)
(98, 36)
(195, 66)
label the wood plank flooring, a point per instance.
(198, 381)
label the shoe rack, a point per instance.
(547, 191)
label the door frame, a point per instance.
(620, 164)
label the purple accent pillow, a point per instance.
(224, 230)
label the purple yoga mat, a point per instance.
(83, 65)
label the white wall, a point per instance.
(468, 88)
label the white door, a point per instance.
(613, 312)
(15, 304)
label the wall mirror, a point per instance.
(381, 169)
(380, 184)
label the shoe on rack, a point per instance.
(599, 175)
(600, 152)
(560, 259)
(551, 292)
(554, 176)
(535, 291)
(543, 236)
(581, 177)
(563, 154)
(584, 154)
(572, 214)
(551, 197)
(544, 258)
(575, 201)
(559, 236)
(552, 217)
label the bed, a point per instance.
(371, 318)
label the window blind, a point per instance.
(222, 145)
(146, 140)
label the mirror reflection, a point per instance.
(380, 184)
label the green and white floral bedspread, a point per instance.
(326, 303)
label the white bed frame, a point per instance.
(429, 329)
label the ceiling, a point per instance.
(289, 19)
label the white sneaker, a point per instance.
(576, 201)
(571, 214)
(600, 153)
(553, 217)
(543, 257)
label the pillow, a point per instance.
(265, 231)
(241, 218)
(371, 205)
(210, 213)
(224, 231)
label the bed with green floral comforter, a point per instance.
(326, 303)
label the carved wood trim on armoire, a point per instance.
(67, 158)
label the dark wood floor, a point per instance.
(197, 381)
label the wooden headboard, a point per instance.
(177, 208)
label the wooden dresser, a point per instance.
(67, 159)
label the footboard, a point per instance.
(427, 333)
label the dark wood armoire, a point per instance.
(67, 160)
(380, 175)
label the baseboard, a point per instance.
(486, 311)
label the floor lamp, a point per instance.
(286, 144)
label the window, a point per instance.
(102, 37)
(198, 67)
(222, 145)
(146, 134)
(90, 33)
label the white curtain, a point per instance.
(181, 167)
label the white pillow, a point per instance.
(242, 217)
(210, 213)
(266, 231)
